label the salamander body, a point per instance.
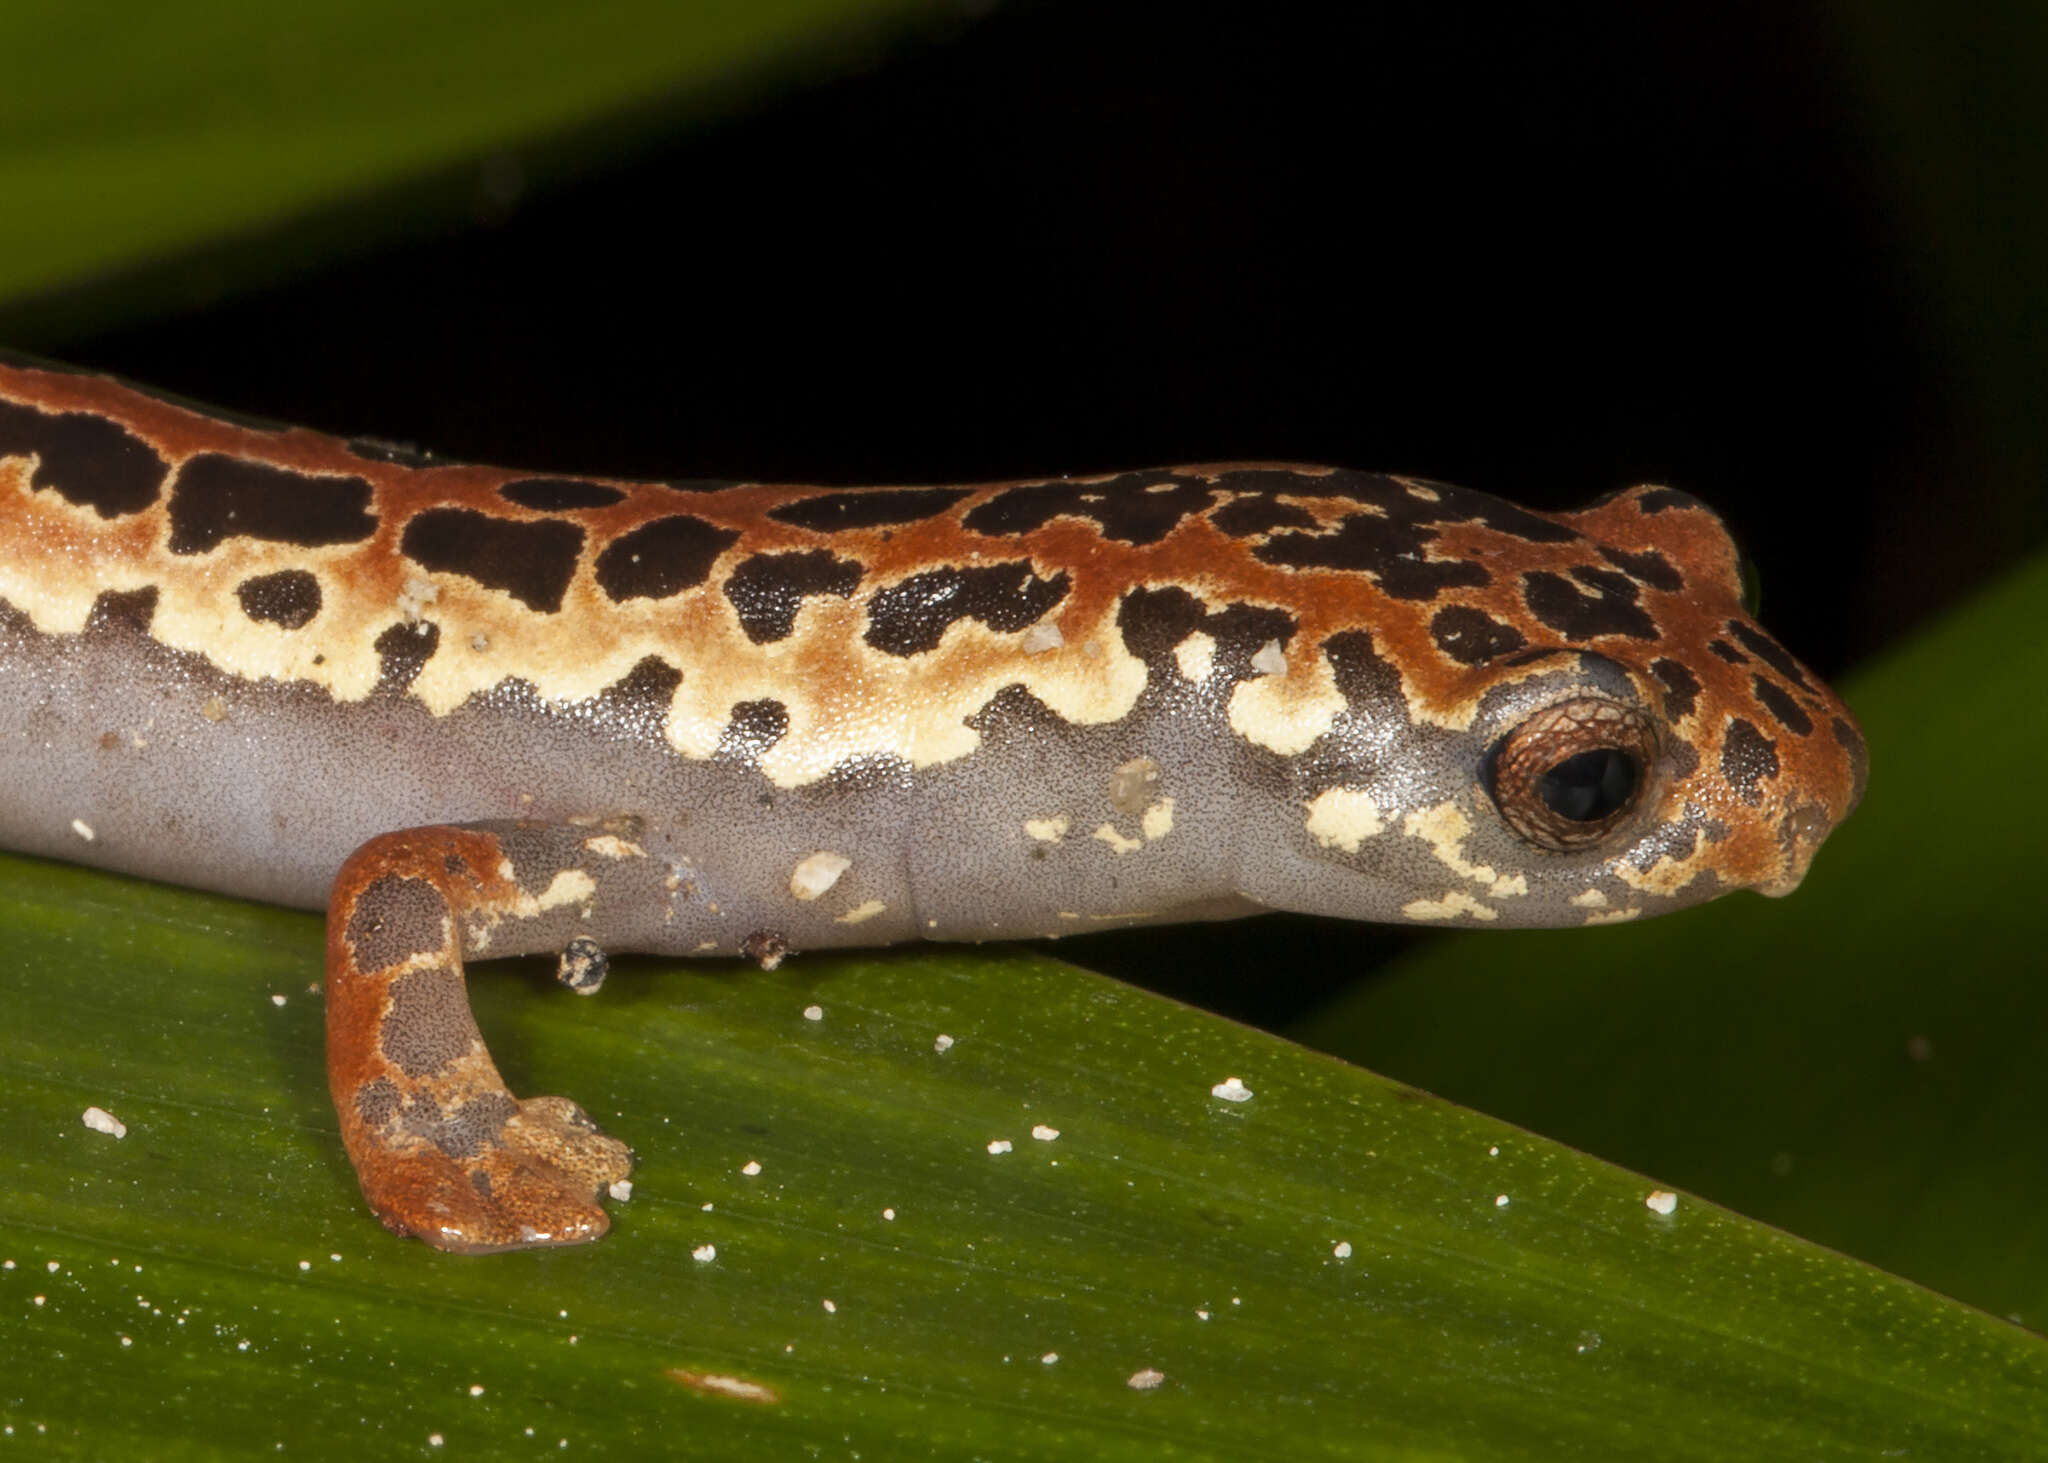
(477, 711)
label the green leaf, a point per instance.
(211, 1282)
(131, 132)
(1861, 1063)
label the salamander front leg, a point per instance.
(442, 1150)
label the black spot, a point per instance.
(1530, 657)
(84, 459)
(639, 701)
(1136, 508)
(1154, 621)
(1610, 610)
(865, 773)
(559, 495)
(122, 612)
(394, 919)
(1778, 701)
(377, 1102)
(767, 590)
(1681, 688)
(427, 1025)
(215, 498)
(1388, 541)
(1651, 567)
(468, 1130)
(867, 508)
(1418, 502)
(911, 617)
(1770, 652)
(403, 651)
(1682, 756)
(1473, 637)
(540, 851)
(1851, 741)
(1389, 550)
(754, 727)
(1455, 504)
(1676, 840)
(1727, 652)
(1259, 513)
(1370, 685)
(532, 562)
(1658, 499)
(1747, 758)
(1014, 716)
(397, 454)
(288, 599)
(661, 557)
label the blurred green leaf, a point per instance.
(1865, 1063)
(212, 1283)
(129, 132)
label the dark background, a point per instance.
(1544, 253)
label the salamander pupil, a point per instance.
(1589, 786)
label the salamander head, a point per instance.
(1590, 729)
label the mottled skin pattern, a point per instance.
(474, 711)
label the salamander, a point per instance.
(474, 712)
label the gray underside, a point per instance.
(262, 789)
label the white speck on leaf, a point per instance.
(1231, 1089)
(704, 1254)
(102, 1121)
(1343, 1249)
(814, 1013)
(942, 1043)
(1044, 1134)
(1661, 1201)
(750, 1168)
(999, 1145)
(1145, 1380)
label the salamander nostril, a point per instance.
(1805, 826)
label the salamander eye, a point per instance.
(1572, 772)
